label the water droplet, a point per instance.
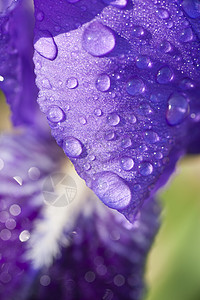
(165, 46)
(143, 62)
(46, 45)
(192, 8)
(98, 39)
(151, 137)
(72, 83)
(103, 83)
(132, 119)
(127, 163)
(165, 75)
(119, 280)
(11, 224)
(87, 166)
(90, 276)
(145, 168)
(112, 190)
(5, 234)
(186, 84)
(109, 136)
(45, 280)
(1, 164)
(82, 120)
(113, 119)
(24, 236)
(158, 155)
(46, 84)
(178, 109)
(55, 114)
(138, 31)
(126, 142)
(40, 16)
(98, 112)
(116, 3)
(187, 35)
(34, 173)
(72, 147)
(1, 78)
(163, 13)
(135, 87)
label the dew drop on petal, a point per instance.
(165, 75)
(135, 87)
(72, 147)
(145, 168)
(103, 83)
(177, 110)
(116, 3)
(113, 119)
(46, 46)
(163, 13)
(143, 62)
(98, 39)
(34, 173)
(151, 137)
(98, 112)
(187, 35)
(127, 163)
(72, 83)
(24, 236)
(192, 8)
(112, 190)
(55, 114)
(109, 136)
(15, 209)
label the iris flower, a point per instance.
(118, 82)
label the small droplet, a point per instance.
(40, 16)
(135, 87)
(90, 276)
(34, 173)
(24, 236)
(138, 31)
(126, 142)
(151, 137)
(119, 280)
(165, 46)
(109, 136)
(132, 119)
(103, 83)
(145, 168)
(10, 224)
(113, 119)
(165, 75)
(72, 147)
(178, 109)
(72, 83)
(112, 190)
(187, 35)
(46, 84)
(45, 280)
(186, 84)
(1, 78)
(15, 210)
(158, 155)
(127, 163)
(192, 8)
(116, 3)
(143, 62)
(98, 112)
(98, 39)
(163, 13)
(5, 234)
(55, 114)
(46, 46)
(82, 120)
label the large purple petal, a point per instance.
(105, 259)
(25, 161)
(17, 79)
(120, 87)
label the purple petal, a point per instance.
(25, 161)
(105, 259)
(17, 79)
(120, 88)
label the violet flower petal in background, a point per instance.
(17, 79)
(25, 161)
(119, 85)
(105, 259)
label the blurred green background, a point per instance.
(173, 266)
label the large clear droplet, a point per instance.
(112, 190)
(46, 45)
(72, 147)
(55, 114)
(98, 39)
(103, 83)
(135, 87)
(127, 163)
(165, 75)
(178, 109)
(113, 119)
(145, 168)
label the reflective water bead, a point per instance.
(165, 75)
(98, 39)
(72, 83)
(165, 46)
(34, 173)
(178, 109)
(132, 119)
(109, 136)
(143, 62)
(40, 16)
(103, 83)
(24, 236)
(127, 163)
(82, 120)
(116, 3)
(72, 147)
(187, 35)
(113, 119)
(163, 13)
(98, 112)
(135, 87)
(46, 46)
(112, 190)
(145, 168)
(55, 114)
(192, 8)
(138, 31)
(186, 84)
(126, 142)
(151, 137)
